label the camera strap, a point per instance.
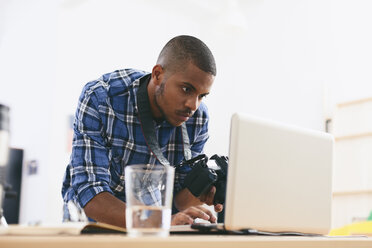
(147, 124)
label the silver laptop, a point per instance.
(279, 177)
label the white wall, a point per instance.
(285, 60)
(27, 78)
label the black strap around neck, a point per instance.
(147, 124)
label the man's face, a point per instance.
(179, 95)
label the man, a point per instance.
(108, 134)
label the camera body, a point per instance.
(201, 178)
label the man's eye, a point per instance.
(186, 89)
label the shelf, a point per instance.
(352, 192)
(354, 136)
(358, 101)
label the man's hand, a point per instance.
(208, 198)
(188, 216)
(184, 199)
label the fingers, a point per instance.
(200, 212)
(208, 197)
(218, 208)
(190, 214)
(181, 219)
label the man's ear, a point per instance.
(157, 74)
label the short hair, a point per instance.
(183, 49)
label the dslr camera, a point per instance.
(201, 177)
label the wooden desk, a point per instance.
(181, 241)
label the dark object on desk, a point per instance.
(219, 229)
(102, 228)
(13, 189)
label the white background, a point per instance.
(289, 60)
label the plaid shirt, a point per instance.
(108, 136)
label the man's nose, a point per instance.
(192, 103)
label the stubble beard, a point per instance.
(160, 93)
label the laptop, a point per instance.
(279, 178)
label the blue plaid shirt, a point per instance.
(108, 136)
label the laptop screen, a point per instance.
(279, 177)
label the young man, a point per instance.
(108, 134)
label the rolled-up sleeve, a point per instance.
(89, 164)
